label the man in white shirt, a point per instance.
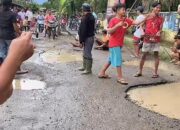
(29, 14)
(22, 14)
(139, 31)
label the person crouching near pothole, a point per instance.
(176, 51)
(102, 43)
(86, 38)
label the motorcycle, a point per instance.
(52, 25)
(41, 28)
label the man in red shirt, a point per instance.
(117, 29)
(152, 37)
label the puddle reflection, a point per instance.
(55, 57)
(162, 99)
(27, 84)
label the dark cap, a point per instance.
(140, 9)
(6, 2)
(86, 7)
(155, 4)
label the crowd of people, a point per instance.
(16, 43)
(147, 38)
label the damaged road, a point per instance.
(71, 101)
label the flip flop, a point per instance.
(138, 75)
(104, 77)
(155, 76)
(122, 81)
(177, 63)
(19, 72)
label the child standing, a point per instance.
(117, 29)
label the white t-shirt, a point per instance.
(139, 30)
(22, 14)
(30, 15)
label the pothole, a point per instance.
(162, 99)
(60, 57)
(28, 84)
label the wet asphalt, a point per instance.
(72, 101)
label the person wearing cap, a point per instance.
(139, 31)
(152, 38)
(86, 38)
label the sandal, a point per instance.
(122, 81)
(172, 61)
(19, 72)
(138, 75)
(155, 76)
(177, 63)
(104, 77)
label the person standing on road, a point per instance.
(139, 31)
(152, 38)
(86, 37)
(8, 28)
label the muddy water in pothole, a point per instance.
(27, 84)
(57, 57)
(162, 99)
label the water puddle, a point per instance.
(27, 84)
(162, 99)
(57, 57)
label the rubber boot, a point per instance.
(88, 69)
(84, 65)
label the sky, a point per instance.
(40, 1)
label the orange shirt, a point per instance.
(49, 18)
(105, 38)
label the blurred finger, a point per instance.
(23, 34)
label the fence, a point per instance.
(171, 21)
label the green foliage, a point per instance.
(53, 4)
(35, 7)
(72, 6)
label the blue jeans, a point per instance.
(4, 47)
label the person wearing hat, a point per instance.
(139, 30)
(153, 28)
(86, 38)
